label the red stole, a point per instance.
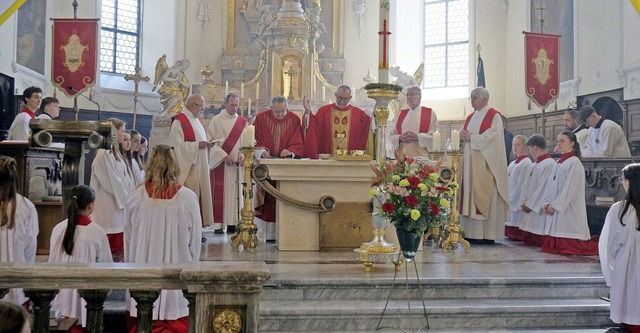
(359, 128)
(425, 120)
(189, 134)
(520, 158)
(542, 158)
(486, 122)
(216, 175)
(565, 156)
(29, 112)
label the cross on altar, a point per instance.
(385, 35)
(136, 80)
(290, 73)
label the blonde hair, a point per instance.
(8, 191)
(115, 148)
(161, 170)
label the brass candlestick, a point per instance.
(247, 230)
(453, 229)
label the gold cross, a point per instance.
(136, 79)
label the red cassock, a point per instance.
(359, 128)
(276, 135)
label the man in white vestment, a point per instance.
(484, 182)
(413, 130)
(189, 139)
(605, 137)
(571, 119)
(225, 156)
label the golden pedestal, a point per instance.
(246, 235)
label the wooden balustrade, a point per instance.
(218, 292)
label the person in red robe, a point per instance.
(278, 135)
(323, 128)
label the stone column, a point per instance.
(41, 307)
(95, 304)
(144, 300)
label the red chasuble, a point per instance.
(359, 127)
(425, 120)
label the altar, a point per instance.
(348, 225)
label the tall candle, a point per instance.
(324, 95)
(226, 89)
(249, 107)
(437, 141)
(242, 90)
(249, 136)
(258, 91)
(455, 140)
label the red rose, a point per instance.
(411, 200)
(413, 182)
(434, 209)
(388, 208)
(442, 188)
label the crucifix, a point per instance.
(290, 73)
(541, 8)
(136, 79)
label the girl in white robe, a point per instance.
(620, 252)
(111, 181)
(77, 240)
(18, 224)
(566, 224)
(163, 226)
(517, 175)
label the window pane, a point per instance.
(458, 65)
(120, 36)
(434, 66)
(108, 14)
(106, 51)
(126, 50)
(435, 23)
(458, 15)
(128, 15)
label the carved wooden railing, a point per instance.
(223, 296)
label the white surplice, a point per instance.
(194, 163)
(619, 250)
(411, 123)
(19, 129)
(517, 176)
(566, 193)
(534, 195)
(220, 127)
(112, 182)
(138, 172)
(90, 245)
(608, 140)
(163, 231)
(19, 243)
(491, 146)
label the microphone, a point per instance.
(89, 99)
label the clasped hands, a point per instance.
(465, 136)
(284, 153)
(206, 144)
(409, 137)
(548, 209)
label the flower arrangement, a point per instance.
(411, 193)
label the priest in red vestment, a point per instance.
(278, 135)
(337, 118)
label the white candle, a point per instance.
(249, 107)
(455, 140)
(437, 141)
(258, 91)
(249, 136)
(324, 95)
(242, 90)
(226, 89)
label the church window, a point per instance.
(446, 43)
(120, 36)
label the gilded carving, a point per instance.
(238, 64)
(542, 63)
(227, 321)
(291, 40)
(327, 66)
(73, 51)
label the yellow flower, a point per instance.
(444, 203)
(373, 192)
(415, 214)
(434, 176)
(404, 183)
(422, 186)
(395, 178)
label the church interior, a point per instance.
(311, 279)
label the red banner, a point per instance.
(542, 67)
(74, 54)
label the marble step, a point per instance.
(363, 315)
(576, 330)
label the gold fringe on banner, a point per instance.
(529, 107)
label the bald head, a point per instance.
(195, 104)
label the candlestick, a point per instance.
(242, 90)
(226, 89)
(437, 141)
(324, 96)
(455, 140)
(249, 136)
(249, 107)
(257, 91)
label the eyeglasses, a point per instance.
(338, 98)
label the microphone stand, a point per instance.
(89, 99)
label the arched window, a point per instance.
(120, 37)
(446, 43)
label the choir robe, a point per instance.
(194, 163)
(226, 187)
(484, 151)
(163, 231)
(567, 228)
(606, 139)
(44, 116)
(413, 122)
(111, 181)
(331, 120)
(19, 243)
(19, 129)
(581, 133)
(533, 196)
(619, 251)
(90, 245)
(138, 173)
(517, 174)
(274, 135)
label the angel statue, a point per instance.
(402, 78)
(175, 85)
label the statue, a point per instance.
(360, 10)
(313, 13)
(266, 18)
(402, 78)
(175, 85)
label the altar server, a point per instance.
(518, 175)
(605, 138)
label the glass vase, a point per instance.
(409, 242)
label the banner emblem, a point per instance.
(543, 63)
(73, 51)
